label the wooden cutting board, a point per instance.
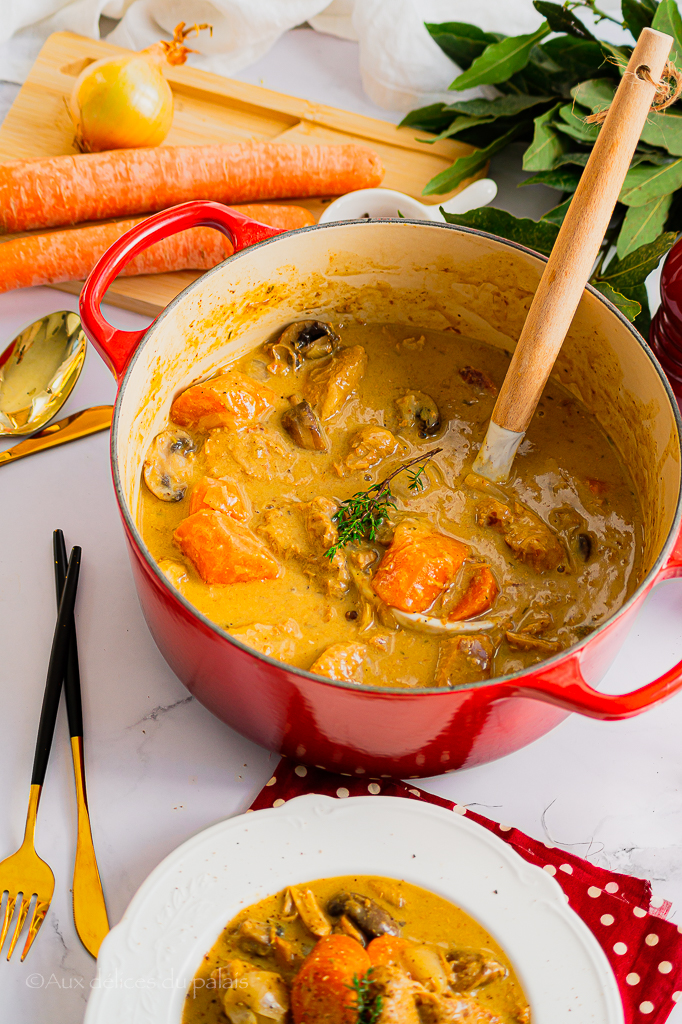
(208, 108)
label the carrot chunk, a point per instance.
(478, 596)
(230, 400)
(322, 991)
(223, 550)
(341, 661)
(222, 496)
(387, 950)
(417, 567)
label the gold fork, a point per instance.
(24, 875)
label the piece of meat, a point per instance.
(310, 912)
(223, 550)
(478, 379)
(328, 387)
(259, 452)
(305, 531)
(529, 538)
(229, 400)
(254, 937)
(368, 447)
(472, 970)
(322, 992)
(319, 522)
(464, 659)
(478, 596)
(528, 642)
(442, 1008)
(276, 641)
(222, 496)
(397, 993)
(258, 996)
(342, 661)
(417, 567)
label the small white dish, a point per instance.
(147, 962)
(376, 203)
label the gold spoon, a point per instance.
(38, 371)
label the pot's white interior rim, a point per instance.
(402, 223)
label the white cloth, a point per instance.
(402, 67)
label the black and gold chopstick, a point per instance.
(89, 908)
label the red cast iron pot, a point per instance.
(429, 276)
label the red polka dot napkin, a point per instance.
(644, 950)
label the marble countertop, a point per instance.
(160, 767)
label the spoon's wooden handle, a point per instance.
(575, 250)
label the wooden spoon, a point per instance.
(572, 259)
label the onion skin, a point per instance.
(122, 103)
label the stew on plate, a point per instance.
(355, 950)
(315, 499)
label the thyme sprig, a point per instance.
(360, 517)
(368, 1009)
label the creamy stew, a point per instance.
(264, 506)
(355, 950)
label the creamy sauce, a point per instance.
(567, 472)
(423, 917)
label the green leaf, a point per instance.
(664, 130)
(460, 124)
(462, 42)
(578, 158)
(560, 19)
(637, 14)
(502, 106)
(642, 224)
(579, 58)
(535, 235)
(546, 146)
(557, 214)
(628, 307)
(644, 183)
(667, 19)
(595, 93)
(500, 60)
(433, 118)
(633, 269)
(563, 181)
(573, 118)
(643, 321)
(465, 166)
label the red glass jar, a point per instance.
(665, 336)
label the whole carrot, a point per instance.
(124, 182)
(70, 255)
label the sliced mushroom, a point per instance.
(366, 914)
(346, 927)
(526, 642)
(310, 912)
(419, 410)
(584, 546)
(169, 464)
(310, 339)
(303, 426)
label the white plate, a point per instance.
(148, 960)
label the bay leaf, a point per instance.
(595, 93)
(573, 123)
(501, 106)
(465, 166)
(645, 182)
(556, 214)
(563, 181)
(546, 146)
(628, 307)
(664, 130)
(432, 118)
(462, 42)
(500, 60)
(642, 224)
(579, 58)
(535, 235)
(560, 19)
(577, 158)
(634, 268)
(638, 14)
(667, 19)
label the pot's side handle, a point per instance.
(116, 347)
(568, 690)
